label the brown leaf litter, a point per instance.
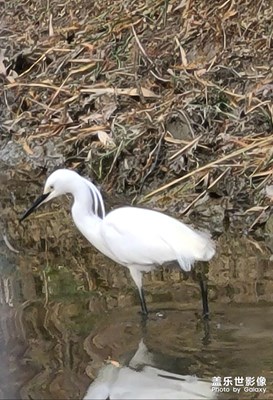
(169, 98)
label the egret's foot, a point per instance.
(203, 325)
(206, 316)
(144, 317)
(143, 314)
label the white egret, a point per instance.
(141, 381)
(137, 238)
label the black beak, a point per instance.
(39, 201)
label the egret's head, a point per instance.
(58, 183)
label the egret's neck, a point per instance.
(88, 212)
(88, 201)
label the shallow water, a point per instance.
(65, 310)
(56, 350)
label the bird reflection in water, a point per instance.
(142, 380)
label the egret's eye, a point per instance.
(51, 187)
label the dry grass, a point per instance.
(146, 94)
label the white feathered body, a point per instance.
(142, 238)
(137, 236)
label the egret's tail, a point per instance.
(207, 246)
(199, 247)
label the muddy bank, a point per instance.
(163, 100)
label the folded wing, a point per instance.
(144, 237)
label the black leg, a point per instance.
(206, 338)
(144, 309)
(204, 293)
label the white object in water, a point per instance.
(137, 238)
(147, 383)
